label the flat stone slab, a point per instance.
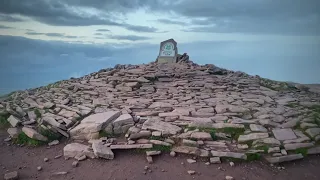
(229, 154)
(201, 136)
(187, 150)
(14, 121)
(252, 136)
(75, 149)
(157, 125)
(124, 119)
(313, 132)
(297, 146)
(102, 151)
(314, 150)
(226, 125)
(280, 159)
(11, 176)
(284, 134)
(132, 146)
(152, 153)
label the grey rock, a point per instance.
(190, 172)
(215, 160)
(172, 154)
(252, 136)
(187, 150)
(280, 159)
(201, 136)
(297, 146)
(11, 176)
(257, 128)
(20, 111)
(226, 125)
(141, 134)
(290, 123)
(124, 119)
(14, 121)
(229, 154)
(13, 132)
(53, 143)
(157, 125)
(284, 134)
(314, 150)
(313, 132)
(153, 153)
(74, 149)
(188, 142)
(191, 161)
(102, 151)
(132, 146)
(149, 159)
(157, 142)
(75, 163)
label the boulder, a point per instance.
(124, 119)
(91, 125)
(102, 151)
(75, 149)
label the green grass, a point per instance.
(253, 156)
(249, 143)
(24, 139)
(161, 148)
(156, 138)
(303, 151)
(211, 131)
(49, 134)
(3, 120)
(264, 148)
(233, 132)
(37, 112)
(103, 133)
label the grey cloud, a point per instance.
(98, 34)
(137, 28)
(61, 35)
(58, 13)
(9, 18)
(168, 21)
(5, 27)
(103, 30)
(128, 37)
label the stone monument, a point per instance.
(168, 52)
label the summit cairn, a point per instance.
(168, 52)
(172, 105)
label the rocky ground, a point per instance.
(183, 108)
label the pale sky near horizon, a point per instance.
(42, 41)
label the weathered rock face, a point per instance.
(193, 109)
(90, 126)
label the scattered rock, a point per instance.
(102, 151)
(149, 159)
(284, 134)
(60, 173)
(280, 159)
(74, 149)
(11, 176)
(229, 178)
(45, 159)
(231, 164)
(53, 143)
(172, 154)
(252, 136)
(215, 160)
(39, 168)
(14, 121)
(75, 163)
(191, 161)
(33, 134)
(190, 172)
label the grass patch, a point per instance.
(103, 133)
(161, 148)
(3, 120)
(303, 151)
(37, 112)
(264, 148)
(24, 139)
(253, 156)
(249, 143)
(156, 138)
(233, 132)
(49, 134)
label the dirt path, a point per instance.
(130, 166)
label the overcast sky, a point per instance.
(42, 41)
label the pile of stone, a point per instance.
(193, 109)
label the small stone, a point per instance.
(53, 143)
(75, 163)
(45, 159)
(149, 159)
(80, 157)
(215, 160)
(231, 164)
(58, 156)
(60, 173)
(191, 172)
(229, 178)
(191, 161)
(172, 154)
(39, 168)
(11, 176)
(146, 167)
(284, 152)
(242, 146)
(152, 153)
(207, 163)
